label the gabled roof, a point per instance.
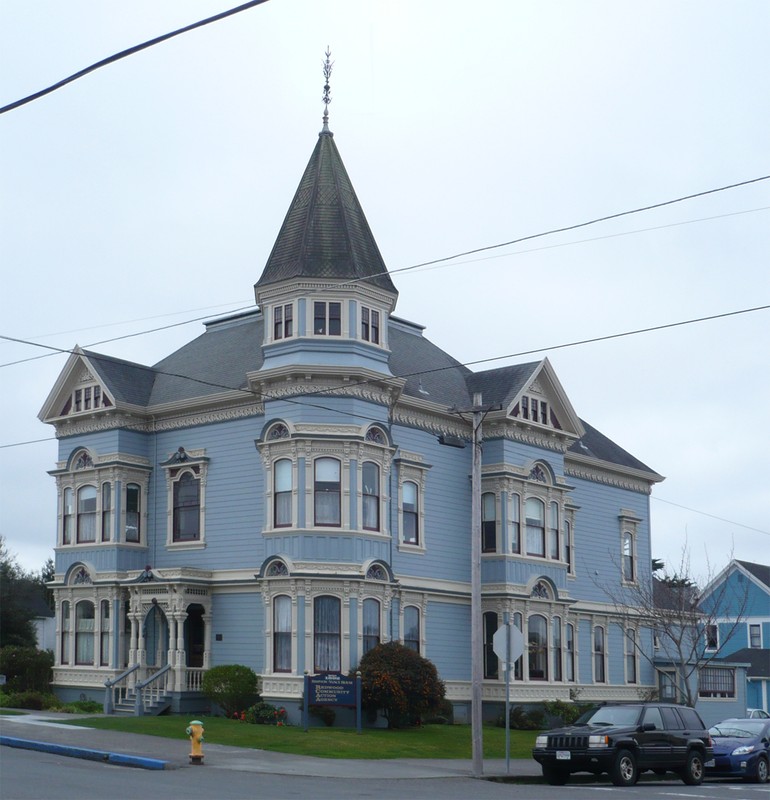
(325, 233)
(760, 571)
(595, 444)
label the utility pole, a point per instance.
(477, 654)
(477, 671)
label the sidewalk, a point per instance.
(42, 730)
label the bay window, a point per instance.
(326, 492)
(326, 634)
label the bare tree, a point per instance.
(671, 606)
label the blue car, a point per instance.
(741, 750)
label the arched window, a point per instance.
(410, 512)
(106, 512)
(599, 655)
(327, 492)
(491, 665)
(488, 523)
(282, 634)
(553, 531)
(282, 479)
(535, 514)
(412, 628)
(371, 630)
(68, 515)
(556, 647)
(371, 496)
(86, 526)
(104, 633)
(628, 557)
(64, 650)
(187, 508)
(569, 651)
(84, 632)
(515, 523)
(537, 641)
(326, 634)
(133, 509)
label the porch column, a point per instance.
(207, 618)
(180, 655)
(133, 653)
(141, 646)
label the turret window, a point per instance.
(327, 319)
(370, 325)
(283, 322)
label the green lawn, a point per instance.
(431, 741)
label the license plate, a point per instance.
(711, 763)
(563, 755)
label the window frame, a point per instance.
(711, 642)
(195, 464)
(410, 626)
(631, 655)
(85, 636)
(629, 531)
(186, 504)
(334, 311)
(599, 654)
(282, 638)
(332, 636)
(283, 322)
(490, 624)
(371, 499)
(370, 636)
(489, 542)
(538, 651)
(535, 530)
(411, 470)
(280, 496)
(721, 677)
(755, 635)
(319, 492)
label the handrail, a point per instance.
(109, 700)
(142, 685)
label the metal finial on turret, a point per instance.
(328, 64)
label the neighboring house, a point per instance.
(32, 597)
(739, 598)
(293, 486)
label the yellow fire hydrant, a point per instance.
(195, 732)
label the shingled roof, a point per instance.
(759, 571)
(325, 233)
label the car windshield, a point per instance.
(611, 715)
(737, 730)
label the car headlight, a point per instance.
(744, 750)
(598, 741)
(541, 741)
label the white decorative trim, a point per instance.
(608, 477)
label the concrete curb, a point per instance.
(84, 752)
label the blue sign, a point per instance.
(332, 689)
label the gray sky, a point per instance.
(151, 191)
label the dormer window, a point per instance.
(327, 319)
(283, 322)
(86, 398)
(370, 325)
(534, 409)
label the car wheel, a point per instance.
(554, 776)
(760, 771)
(692, 774)
(624, 771)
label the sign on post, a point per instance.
(332, 689)
(508, 646)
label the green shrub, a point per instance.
(231, 686)
(81, 707)
(265, 714)
(26, 669)
(521, 720)
(401, 683)
(34, 701)
(566, 712)
(444, 714)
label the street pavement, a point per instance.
(43, 731)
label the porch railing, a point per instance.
(117, 689)
(194, 678)
(151, 690)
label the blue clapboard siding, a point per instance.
(239, 619)
(448, 636)
(103, 558)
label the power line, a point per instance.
(292, 398)
(130, 51)
(712, 516)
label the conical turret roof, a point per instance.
(325, 233)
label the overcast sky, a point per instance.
(151, 191)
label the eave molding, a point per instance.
(598, 471)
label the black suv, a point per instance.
(624, 740)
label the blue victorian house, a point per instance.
(293, 487)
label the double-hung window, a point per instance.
(370, 325)
(86, 524)
(282, 634)
(599, 655)
(515, 524)
(370, 475)
(410, 512)
(630, 656)
(133, 508)
(84, 632)
(491, 665)
(326, 634)
(282, 478)
(187, 508)
(553, 531)
(412, 628)
(106, 512)
(537, 642)
(371, 630)
(327, 497)
(569, 651)
(488, 522)
(283, 322)
(557, 648)
(327, 318)
(755, 635)
(535, 514)
(629, 566)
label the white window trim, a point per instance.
(731, 697)
(195, 464)
(102, 469)
(410, 469)
(499, 545)
(344, 318)
(420, 603)
(634, 653)
(629, 523)
(382, 315)
(706, 646)
(749, 626)
(270, 321)
(594, 653)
